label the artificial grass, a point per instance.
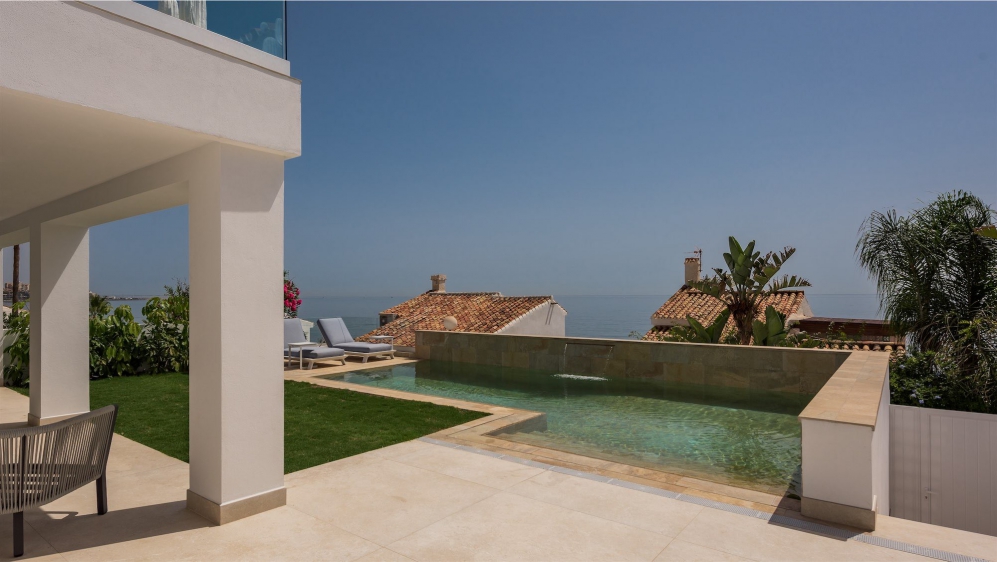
(320, 424)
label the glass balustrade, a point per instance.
(258, 24)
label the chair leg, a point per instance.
(102, 495)
(18, 533)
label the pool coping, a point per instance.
(480, 433)
(784, 520)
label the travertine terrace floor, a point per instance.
(422, 501)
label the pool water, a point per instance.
(746, 438)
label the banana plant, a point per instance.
(749, 278)
(708, 334)
(772, 331)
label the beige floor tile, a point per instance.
(752, 538)
(934, 536)
(321, 471)
(161, 547)
(681, 551)
(129, 456)
(124, 533)
(401, 449)
(730, 491)
(386, 503)
(127, 490)
(510, 527)
(384, 555)
(134, 500)
(476, 468)
(289, 534)
(630, 507)
(35, 546)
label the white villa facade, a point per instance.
(110, 110)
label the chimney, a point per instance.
(693, 266)
(439, 283)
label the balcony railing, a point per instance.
(259, 24)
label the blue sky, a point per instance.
(573, 149)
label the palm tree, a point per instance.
(934, 270)
(100, 306)
(751, 278)
(16, 275)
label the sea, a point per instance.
(589, 316)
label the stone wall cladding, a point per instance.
(761, 368)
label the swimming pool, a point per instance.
(746, 438)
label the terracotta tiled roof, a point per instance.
(690, 302)
(704, 308)
(475, 312)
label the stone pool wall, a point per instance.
(763, 368)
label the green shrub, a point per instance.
(119, 346)
(115, 348)
(938, 380)
(922, 379)
(165, 337)
(16, 325)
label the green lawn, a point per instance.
(320, 424)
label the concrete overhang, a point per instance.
(50, 150)
(92, 91)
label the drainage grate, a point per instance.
(915, 549)
(527, 462)
(780, 520)
(722, 506)
(645, 489)
(580, 474)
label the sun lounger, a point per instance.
(336, 335)
(306, 352)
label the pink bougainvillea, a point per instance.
(291, 298)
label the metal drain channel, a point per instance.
(780, 520)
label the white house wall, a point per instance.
(181, 117)
(545, 320)
(881, 453)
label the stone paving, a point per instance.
(424, 502)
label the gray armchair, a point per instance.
(41, 464)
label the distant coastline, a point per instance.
(609, 316)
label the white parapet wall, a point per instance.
(846, 444)
(943, 468)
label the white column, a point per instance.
(59, 330)
(236, 206)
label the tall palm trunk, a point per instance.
(16, 276)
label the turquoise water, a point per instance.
(745, 438)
